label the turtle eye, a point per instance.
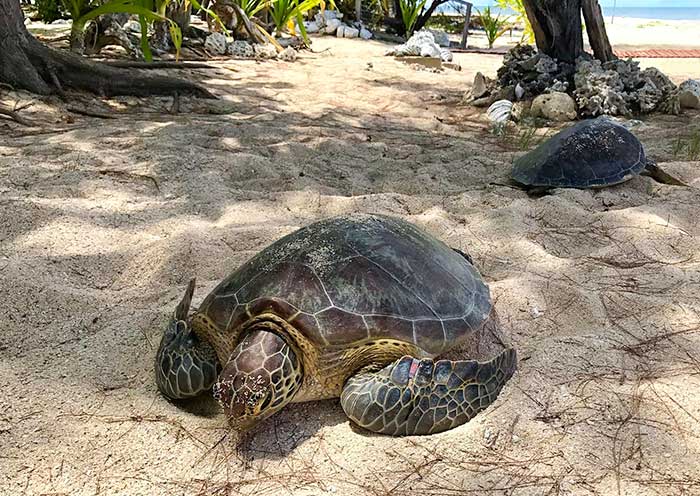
(266, 402)
(181, 326)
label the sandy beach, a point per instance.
(624, 33)
(104, 220)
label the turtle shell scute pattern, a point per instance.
(592, 153)
(352, 278)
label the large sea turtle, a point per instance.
(353, 306)
(591, 154)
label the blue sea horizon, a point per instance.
(656, 13)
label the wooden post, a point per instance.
(597, 35)
(467, 20)
(358, 10)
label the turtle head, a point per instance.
(262, 376)
(185, 365)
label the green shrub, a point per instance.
(410, 10)
(49, 10)
(283, 12)
(521, 17)
(494, 27)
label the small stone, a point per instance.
(267, 51)
(482, 102)
(312, 27)
(535, 312)
(365, 34)
(689, 94)
(215, 44)
(331, 14)
(331, 26)
(520, 110)
(440, 37)
(132, 26)
(241, 49)
(479, 86)
(350, 32)
(558, 107)
(288, 54)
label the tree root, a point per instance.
(46, 71)
(15, 116)
(161, 64)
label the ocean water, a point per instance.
(659, 13)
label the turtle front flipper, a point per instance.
(185, 365)
(416, 397)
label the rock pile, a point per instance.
(217, 44)
(421, 44)
(589, 87)
(330, 22)
(619, 87)
(535, 72)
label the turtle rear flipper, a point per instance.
(416, 397)
(661, 176)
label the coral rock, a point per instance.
(689, 94)
(241, 49)
(215, 44)
(288, 54)
(558, 107)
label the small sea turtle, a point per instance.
(353, 306)
(591, 154)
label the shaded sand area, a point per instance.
(104, 221)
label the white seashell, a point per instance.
(499, 113)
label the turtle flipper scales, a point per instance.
(416, 397)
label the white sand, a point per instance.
(627, 32)
(102, 222)
(624, 33)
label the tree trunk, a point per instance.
(597, 35)
(557, 26)
(25, 63)
(423, 18)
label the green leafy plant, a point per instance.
(495, 27)
(527, 137)
(49, 10)
(678, 147)
(694, 146)
(521, 17)
(284, 12)
(251, 7)
(689, 146)
(449, 24)
(148, 11)
(410, 10)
